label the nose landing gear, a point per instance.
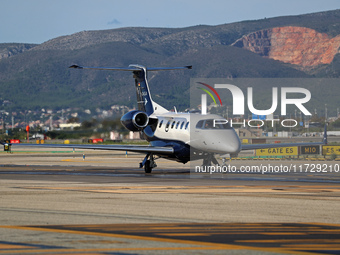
(210, 159)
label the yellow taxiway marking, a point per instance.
(14, 246)
(63, 250)
(312, 246)
(323, 224)
(292, 246)
(128, 236)
(295, 241)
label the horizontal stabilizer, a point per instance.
(131, 68)
(107, 68)
(167, 68)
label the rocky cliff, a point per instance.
(300, 46)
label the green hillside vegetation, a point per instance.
(40, 78)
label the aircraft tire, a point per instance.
(147, 167)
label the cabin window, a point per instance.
(173, 124)
(182, 124)
(177, 124)
(186, 125)
(167, 126)
(160, 124)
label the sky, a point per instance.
(36, 21)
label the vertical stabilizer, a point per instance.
(144, 99)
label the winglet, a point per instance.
(325, 135)
(75, 66)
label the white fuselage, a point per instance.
(198, 131)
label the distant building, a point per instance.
(69, 125)
(114, 135)
(134, 135)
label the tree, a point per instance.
(73, 120)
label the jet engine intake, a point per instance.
(135, 120)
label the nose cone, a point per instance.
(221, 141)
(231, 142)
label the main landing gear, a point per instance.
(148, 163)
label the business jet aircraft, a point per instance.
(175, 136)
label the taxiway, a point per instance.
(55, 202)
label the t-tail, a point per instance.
(144, 99)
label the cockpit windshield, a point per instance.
(212, 124)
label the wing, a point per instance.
(276, 145)
(132, 148)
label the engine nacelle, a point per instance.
(135, 120)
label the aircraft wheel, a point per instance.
(147, 167)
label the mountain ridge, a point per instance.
(39, 78)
